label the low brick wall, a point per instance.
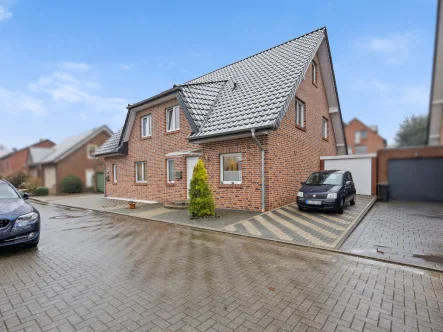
(385, 155)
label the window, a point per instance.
(324, 129)
(146, 125)
(170, 170)
(231, 168)
(361, 149)
(359, 135)
(114, 172)
(173, 118)
(91, 150)
(140, 172)
(314, 72)
(299, 113)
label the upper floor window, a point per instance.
(146, 125)
(173, 118)
(361, 149)
(359, 135)
(324, 128)
(140, 172)
(91, 150)
(314, 72)
(231, 168)
(299, 113)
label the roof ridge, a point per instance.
(288, 41)
(201, 83)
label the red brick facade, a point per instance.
(18, 161)
(373, 141)
(291, 154)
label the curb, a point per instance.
(253, 237)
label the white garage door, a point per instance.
(359, 166)
(50, 178)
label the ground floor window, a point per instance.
(231, 168)
(140, 171)
(170, 170)
(114, 172)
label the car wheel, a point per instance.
(341, 207)
(353, 200)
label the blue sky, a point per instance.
(68, 66)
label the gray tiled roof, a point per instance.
(37, 155)
(111, 145)
(257, 90)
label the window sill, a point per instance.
(170, 184)
(114, 183)
(301, 128)
(230, 185)
(141, 183)
(146, 137)
(175, 131)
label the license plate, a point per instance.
(313, 202)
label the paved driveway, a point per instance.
(96, 272)
(410, 232)
(323, 229)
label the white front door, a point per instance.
(90, 178)
(50, 178)
(190, 163)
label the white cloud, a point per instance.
(126, 67)
(63, 87)
(5, 14)
(17, 102)
(393, 49)
(74, 66)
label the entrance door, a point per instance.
(190, 163)
(49, 174)
(100, 185)
(90, 178)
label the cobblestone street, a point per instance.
(101, 272)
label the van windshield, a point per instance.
(335, 179)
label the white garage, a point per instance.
(362, 167)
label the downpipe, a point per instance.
(257, 142)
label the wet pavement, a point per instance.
(103, 272)
(409, 232)
(324, 229)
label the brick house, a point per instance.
(73, 156)
(16, 161)
(259, 124)
(362, 138)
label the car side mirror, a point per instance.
(25, 196)
(303, 183)
(348, 183)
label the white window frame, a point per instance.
(175, 118)
(148, 125)
(114, 172)
(87, 150)
(238, 155)
(314, 72)
(299, 113)
(324, 130)
(167, 170)
(143, 180)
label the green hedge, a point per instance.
(41, 191)
(71, 184)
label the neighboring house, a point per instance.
(362, 138)
(282, 100)
(73, 156)
(435, 125)
(16, 161)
